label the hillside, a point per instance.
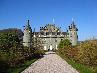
(13, 31)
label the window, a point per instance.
(47, 33)
(58, 33)
(61, 39)
(53, 33)
(55, 40)
(42, 33)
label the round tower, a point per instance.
(27, 35)
(73, 37)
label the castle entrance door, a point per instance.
(56, 46)
(45, 48)
(51, 47)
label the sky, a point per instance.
(15, 13)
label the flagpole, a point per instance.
(53, 21)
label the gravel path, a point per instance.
(50, 63)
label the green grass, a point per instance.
(21, 67)
(79, 67)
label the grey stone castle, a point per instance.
(50, 35)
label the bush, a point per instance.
(64, 47)
(3, 64)
(69, 52)
(37, 47)
(63, 43)
(38, 53)
(13, 53)
(85, 53)
(88, 53)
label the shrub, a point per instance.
(64, 47)
(88, 53)
(3, 66)
(72, 52)
(85, 53)
(37, 47)
(63, 43)
(13, 53)
(38, 53)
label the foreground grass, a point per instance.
(80, 67)
(21, 67)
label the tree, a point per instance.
(64, 43)
(37, 47)
(8, 40)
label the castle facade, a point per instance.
(50, 35)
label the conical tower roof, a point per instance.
(27, 27)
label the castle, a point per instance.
(50, 35)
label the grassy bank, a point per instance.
(21, 67)
(79, 67)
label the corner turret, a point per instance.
(73, 37)
(27, 35)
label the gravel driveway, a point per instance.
(50, 63)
